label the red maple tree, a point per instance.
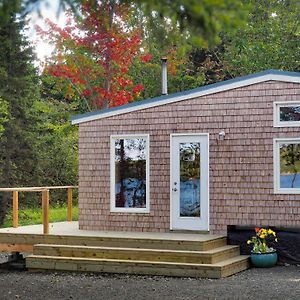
(93, 54)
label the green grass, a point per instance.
(31, 216)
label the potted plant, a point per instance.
(262, 255)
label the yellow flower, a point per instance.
(249, 242)
(262, 236)
(276, 240)
(271, 232)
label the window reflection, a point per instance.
(289, 113)
(189, 179)
(130, 172)
(290, 165)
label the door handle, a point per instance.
(174, 190)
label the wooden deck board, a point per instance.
(171, 254)
(184, 256)
(232, 266)
(68, 233)
(72, 228)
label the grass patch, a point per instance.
(31, 216)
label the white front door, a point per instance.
(189, 182)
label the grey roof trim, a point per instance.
(275, 75)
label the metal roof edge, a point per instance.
(267, 75)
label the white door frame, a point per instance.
(204, 205)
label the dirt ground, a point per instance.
(275, 283)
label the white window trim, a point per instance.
(276, 156)
(276, 114)
(206, 184)
(113, 207)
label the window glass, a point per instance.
(130, 172)
(289, 165)
(289, 113)
(189, 179)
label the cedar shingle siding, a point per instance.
(241, 166)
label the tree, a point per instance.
(56, 144)
(3, 115)
(18, 88)
(200, 21)
(209, 63)
(94, 53)
(271, 39)
(162, 38)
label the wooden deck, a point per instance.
(172, 254)
(72, 228)
(68, 233)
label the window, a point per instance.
(287, 166)
(286, 114)
(129, 173)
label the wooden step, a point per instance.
(192, 242)
(216, 270)
(182, 256)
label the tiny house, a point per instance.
(204, 159)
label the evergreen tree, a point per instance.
(271, 39)
(18, 87)
(57, 140)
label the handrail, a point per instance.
(36, 188)
(45, 202)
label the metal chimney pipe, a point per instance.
(164, 76)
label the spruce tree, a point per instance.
(19, 89)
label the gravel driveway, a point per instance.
(275, 283)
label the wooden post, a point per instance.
(70, 198)
(15, 209)
(45, 211)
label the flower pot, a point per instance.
(264, 260)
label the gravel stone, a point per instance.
(281, 282)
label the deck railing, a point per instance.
(45, 190)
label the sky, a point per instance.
(49, 10)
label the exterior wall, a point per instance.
(241, 166)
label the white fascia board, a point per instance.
(194, 94)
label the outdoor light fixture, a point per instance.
(222, 135)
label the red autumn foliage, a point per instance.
(94, 54)
(138, 88)
(146, 58)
